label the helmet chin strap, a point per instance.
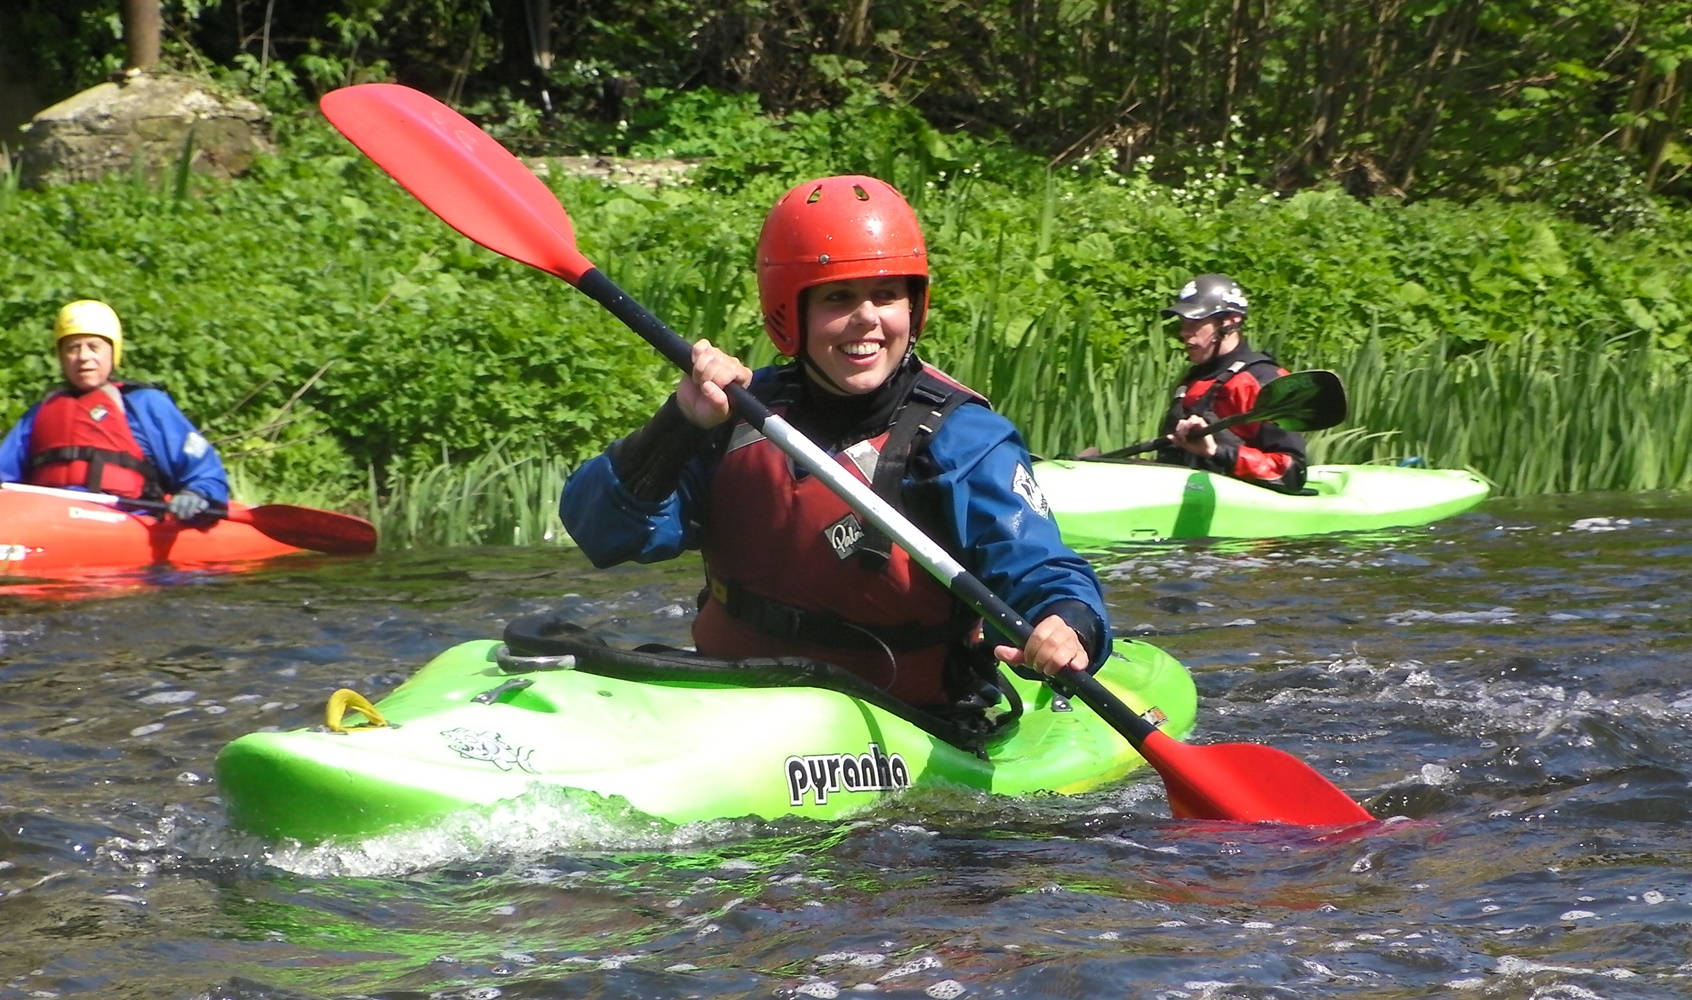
(812, 370)
(910, 349)
(1221, 335)
(815, 373)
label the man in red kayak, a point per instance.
(1224, 379)
(123, 438)
(790, 569)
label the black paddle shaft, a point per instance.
(215, 510)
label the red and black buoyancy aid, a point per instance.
(1193, 395)
(84, 440)
(1271, 457)
(792, 571)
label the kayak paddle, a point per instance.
(1299, 401)
(480, 189)
(301, 527)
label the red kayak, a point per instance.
(45, 531)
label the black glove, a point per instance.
(187, 505)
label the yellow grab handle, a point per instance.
(347, 698)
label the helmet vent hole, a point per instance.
(860, 193)
(815, 196)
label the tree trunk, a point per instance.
(141, 34)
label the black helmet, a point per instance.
(1207, 295)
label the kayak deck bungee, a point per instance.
(46, 531)
(1105, 502)
(670, 734)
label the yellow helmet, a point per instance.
(91, 317)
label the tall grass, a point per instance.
(1051, 372)
(1062, 389)
(1530, 415)
(494, 499)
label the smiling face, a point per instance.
(86, 361)
(857, 331)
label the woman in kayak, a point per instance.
(125, 438)
(790, 570)
(1224, 380)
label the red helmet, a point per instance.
(835, 229)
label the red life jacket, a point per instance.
(1210, 395)
(792, 571)
(1269, 456)
(84, 440)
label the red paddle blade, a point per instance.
(460, 173)
(306, 528)
(1247, 783)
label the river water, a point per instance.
(1513, 686)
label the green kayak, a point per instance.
(1100, 503)
(667, 733)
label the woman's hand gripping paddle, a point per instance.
(480, 189)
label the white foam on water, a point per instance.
(1511, 965)
(1602, 524)
(853, 959)
(548, 821)
(912, 967)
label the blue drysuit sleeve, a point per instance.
(612, 525)
(14, 450)
(1006, 536)
(185, 459)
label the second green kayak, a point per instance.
(1101, 503)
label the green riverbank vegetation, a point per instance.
(345, 349)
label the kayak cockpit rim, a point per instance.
(547, 642)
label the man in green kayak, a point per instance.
(791, 570)
(1225, 376)
(123, 438)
